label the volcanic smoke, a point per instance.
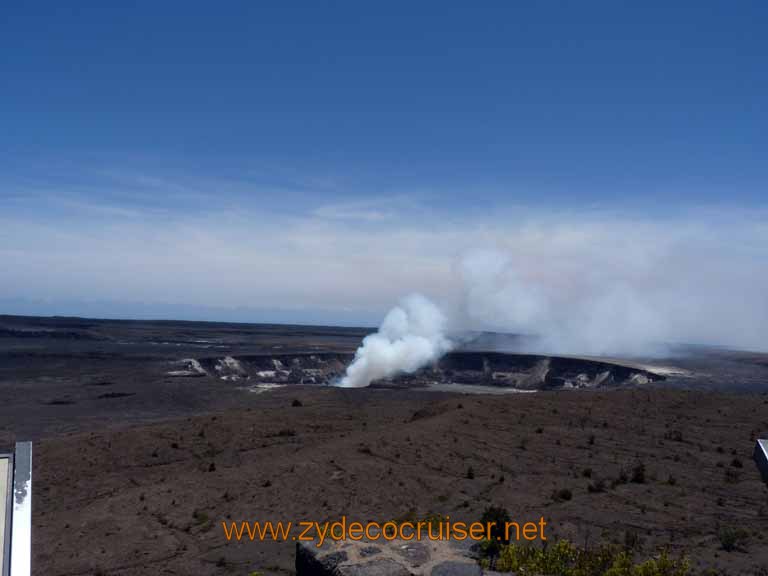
(411, 336)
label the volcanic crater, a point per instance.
(523, 372)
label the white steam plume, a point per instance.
(568, 310)
(411, 336)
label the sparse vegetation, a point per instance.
(622, 478)
(597, 486)
(731, 538)
(638, 474)
(562, 495)
(674, 435)
(671, 480)
(565, 559)
(631, 540)
(499, 516)
(732, 476)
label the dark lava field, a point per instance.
(149, 434)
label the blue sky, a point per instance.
(579, 97)
(392, 137)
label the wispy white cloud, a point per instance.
(372, 209)
(360, 212)
(590, 279)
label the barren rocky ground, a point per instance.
(149, 499)
(139, 483)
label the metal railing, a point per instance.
(16, 511)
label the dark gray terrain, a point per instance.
(149, 434)
(59, 374)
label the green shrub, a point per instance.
(731, 538)
(500, 517)
(661, 566)
(564, 559)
